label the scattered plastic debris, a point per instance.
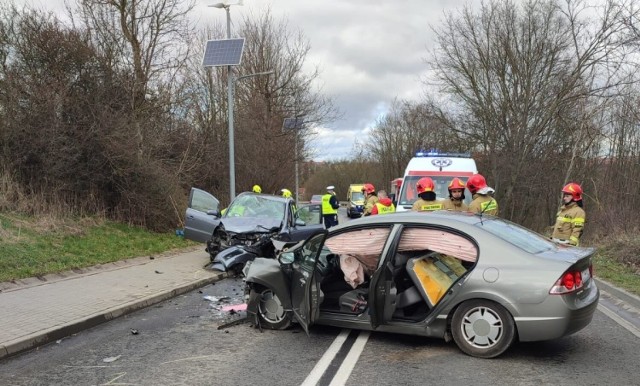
(221, 299)
(158, 271)
(134, 331)
(235, 307)
(111, 359)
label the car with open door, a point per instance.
(248, 227)
(479, 280)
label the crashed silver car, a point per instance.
(480, 280)
(248, 227)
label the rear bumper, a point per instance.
(558, 315)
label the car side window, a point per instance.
(309, 251)
(203, 201)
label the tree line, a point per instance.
(540, 93)
(108, 110)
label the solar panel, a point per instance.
(224, 52)
(293, 123)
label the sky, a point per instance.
(369, 53)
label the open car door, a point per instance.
(305, 280)
(202, 215)
(307, 221)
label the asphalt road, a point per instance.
(180, 342)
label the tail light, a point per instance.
(571, 281)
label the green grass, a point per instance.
(619, 274)
(34, 247)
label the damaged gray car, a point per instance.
(481, 281)
(248, 227)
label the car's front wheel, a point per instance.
(482, 328)
(271, 310)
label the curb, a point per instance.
(619, 293)
(58, 332)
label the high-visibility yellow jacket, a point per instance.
(384, 206)
(484, 204)
(427, 206)
(569, 223)
(327, 208)
(454, 205)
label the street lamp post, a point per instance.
(232, 165)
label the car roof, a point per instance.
(441, 217)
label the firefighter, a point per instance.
(371, 198)
(483, 201)
(384, 204)
(427, 201)
(256, 189)
(330, 207)
(286, 193)
(571, 216)
(456, 197)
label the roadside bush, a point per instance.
(623, 248)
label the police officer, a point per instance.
(456, 197)
(384, 204)
(483, 201)
(330, 207)
(571, 216)
(370, 198)
(427, 201)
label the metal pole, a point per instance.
(232, 162)
(296, 144)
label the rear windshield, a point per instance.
(517, 235)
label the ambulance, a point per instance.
(441, 168)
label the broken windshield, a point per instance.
(256, 206)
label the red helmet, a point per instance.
(456, 183)
(368, 188)
(425, 184)
(476, 182)
(574, 190)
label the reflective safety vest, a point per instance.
(383, 209)
(326, 205)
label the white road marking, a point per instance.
(314, 376)
(619, 320)
(342, 376)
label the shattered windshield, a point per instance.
(256, 206)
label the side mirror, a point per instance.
(299, 222)
(286, 258)
(214, 212)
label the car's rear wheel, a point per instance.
(271, 310)
(482, 328)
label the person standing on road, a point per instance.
(371, 198)
(384, 204)
(286, 193)
(330, 207)
(456, 197)
(427, 201)
(571, 216)
(483, 201)
(256, 189)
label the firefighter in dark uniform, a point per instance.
(571, 217)
(427, 201)
(456, 197)
(330, 207)
(482, 195)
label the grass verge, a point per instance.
(37, 246)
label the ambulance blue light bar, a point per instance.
(438, 154)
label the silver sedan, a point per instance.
(481, 281)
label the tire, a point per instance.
(482, 328)
(271, 313)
